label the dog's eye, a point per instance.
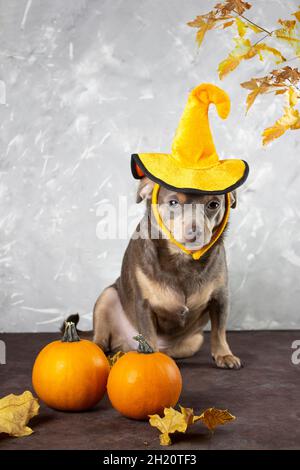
(173, 203)
(213, 205)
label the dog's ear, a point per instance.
(145, 189)
(233, 199)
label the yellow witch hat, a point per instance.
(193, 165)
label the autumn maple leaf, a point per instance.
(204, 23)
(288, 33)
(179, 421)
(285, 74)
(279, 81)
(212, 417)
(284, 81)
(289, 120)
(297, 14)
(218, 16)
(15, 412)
(237, 6)
(244, 50)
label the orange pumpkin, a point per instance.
(143, 382)
(70, 374)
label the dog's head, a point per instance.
(191, 218)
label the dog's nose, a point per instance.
(193, 233)
(190, 231)
(192, 238)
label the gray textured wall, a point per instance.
(88, 82)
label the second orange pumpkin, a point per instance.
(144, 382)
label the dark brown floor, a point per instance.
(265, 397)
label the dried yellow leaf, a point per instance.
(289, 120)
(259, 48)
(293, 96)
(272, 133)
(288, 25)
(241, 27)
(289, 34)
(296, 126)
(228, 65)
(15, 412)
(251, 98)
(297, 15)
(204, 23)
(258, 86)
(172, 421)
(214, 417)
(279, 81)
(236, 6)
(244, 50)
(189, 415)
(227, 24)
(197, 22)
(251, 84)
(281, 91)
(206, 26)
(179, 421)
(284, 75)
(240, 51)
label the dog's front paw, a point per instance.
(228, 362)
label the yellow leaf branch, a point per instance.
(289, 120)
(231, 13)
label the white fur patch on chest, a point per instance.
(158, 295)
(166, 298)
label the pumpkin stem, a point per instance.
(70, 333)
(144, 347)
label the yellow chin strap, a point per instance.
(195, 254)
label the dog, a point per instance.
(162, 292)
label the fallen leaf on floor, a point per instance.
(189, 415)
(179, 421)
(115, 357)
(15, 412)
(172, 421)
(214, 417)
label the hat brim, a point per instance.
(162, 168)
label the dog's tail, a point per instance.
(75, 319)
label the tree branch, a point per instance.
(261, 39)
(269, 33)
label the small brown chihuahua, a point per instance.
(162, 292)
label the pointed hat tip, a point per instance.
(208, 93)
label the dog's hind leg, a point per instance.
(103, 310)
(112, 329)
